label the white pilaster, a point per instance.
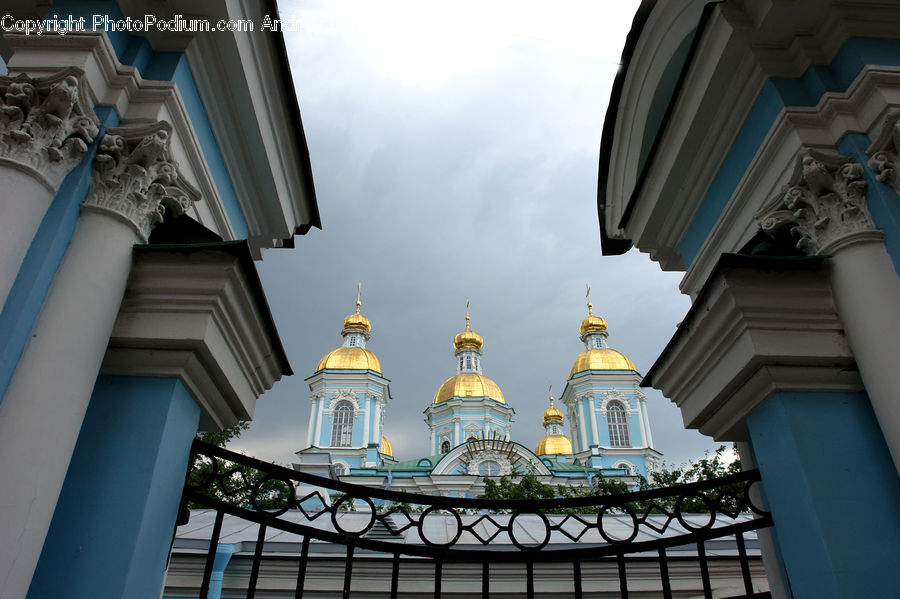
(318, 440)
(457, 439)
(593, 413)
(313, 408)
(367, 401)
(582, 428)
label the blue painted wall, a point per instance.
(111, 530)
(833, 491)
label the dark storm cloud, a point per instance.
(475, 183)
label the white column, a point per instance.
(36, 153)
(593, 414)
(456, 431)
(582, 424)
(647, 422)
(314, 404)
(45, 403)
(367, 399)
(824, 204)
(318, 432)
(379, 419)
(42, 410)
(867, 296)
(642, 413)
(24, 200)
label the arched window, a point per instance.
(342, 424)
(617, 419)
(471, 439)
(445, 446)
(340, 469)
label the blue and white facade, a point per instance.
(131, 316)
(606, 409)
(347, 406)
(754, 146)
(469, 421)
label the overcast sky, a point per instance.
(454, 148)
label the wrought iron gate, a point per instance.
(445, 530)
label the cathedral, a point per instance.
(469, 420)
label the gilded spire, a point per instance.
(591, 324)
(588, 296)
(468, 338)
(357, 320)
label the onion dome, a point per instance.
(352, 355)
(553, 445)
(357, 321)
(592, 324)
(597, 355)
(552, 414)
(554, 442)
(349, 358)
(468, 338)
(601, 359)
(386, 448)
(468, 385)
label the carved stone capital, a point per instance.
(135, 178)
(46, 123)
(823, 206)
(884, 153)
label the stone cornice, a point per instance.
(46, 123)
(197, 313)
(759, 326)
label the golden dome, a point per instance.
(601, 359)
(349, 358)
(468, 338)
(552, 413)
(468, 384)
(386, 448)
(554, 444)
(357, 320)
(592, 324)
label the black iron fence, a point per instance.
(621, 529)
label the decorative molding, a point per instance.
(614, 395)
(506, 467)
(343, 394)
(136, 179)
(884, 153)
(46, 123)
(318, 395)
(823, 204)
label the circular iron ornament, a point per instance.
(709, 506)
(352, 498)
(748, 497)
(540, 545)
(607, 536)
(431, 543)
(282, 500)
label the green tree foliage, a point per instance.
(711, 466)
(234, 482)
